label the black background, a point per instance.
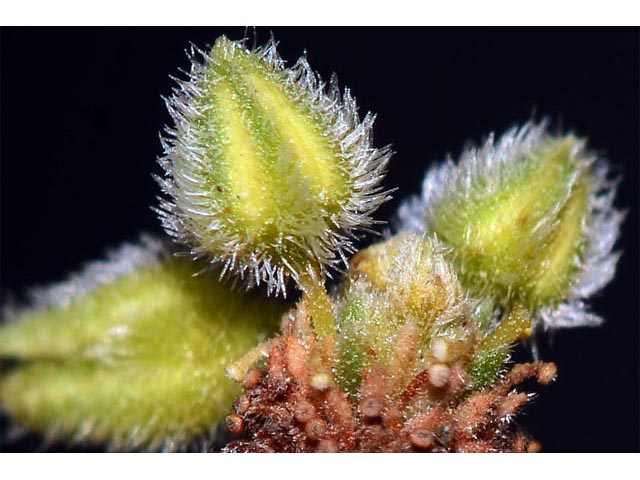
(81, 111)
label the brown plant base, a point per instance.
(287, 408)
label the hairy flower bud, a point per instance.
(130, 352)
(412, 272)
(268, 172)
(403, 301)
(529, 219)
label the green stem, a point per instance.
(319, 305)
(515, 326)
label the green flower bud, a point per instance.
(529, 220)
(131, 352)
(411, 272)
(268, 172)
(403, 307)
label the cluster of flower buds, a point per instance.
(414, 366)
(269, 175)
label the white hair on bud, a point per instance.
(423, 258)
(598, 264)
(183, 152)
(479, 171)
(118, 262)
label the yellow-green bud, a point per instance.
(131, 352)
(410, 270)
(268, 172)
(402, 301)
(528, 218)
(404, 307)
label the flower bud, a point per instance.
(529, 220)
(412, 273)
(268, 172)
(402, 298)
(130, 352)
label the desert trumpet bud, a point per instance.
(411, 271)
(529, 219)
(268, 171)
(130, 352)
(402, 300)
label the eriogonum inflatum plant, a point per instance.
(269, 175)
